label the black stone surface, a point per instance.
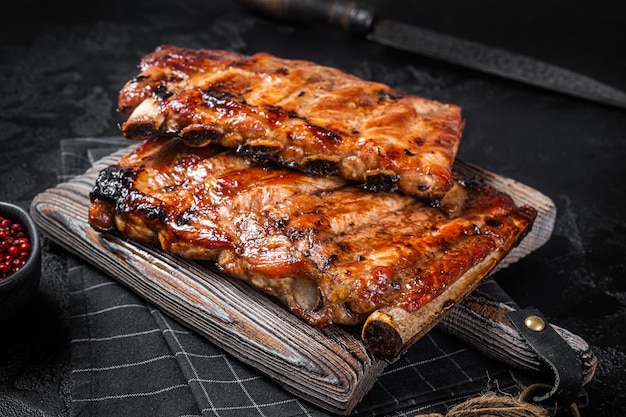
(62, 64)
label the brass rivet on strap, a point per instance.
(535, 323)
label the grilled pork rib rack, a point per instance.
(305, 116)
(330, 251)
(284, 173)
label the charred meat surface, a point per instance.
(314, 118)
(330, 251)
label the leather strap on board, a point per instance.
(554, 351)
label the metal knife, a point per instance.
(362, 20)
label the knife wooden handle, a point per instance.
(349, 16)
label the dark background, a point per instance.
(62, 64)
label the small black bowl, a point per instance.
(18, 289)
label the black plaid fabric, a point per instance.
(130, 359)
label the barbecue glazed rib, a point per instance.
(330, 251)
(305, 116)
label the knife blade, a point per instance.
(362, 20)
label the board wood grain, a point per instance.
(330, 368)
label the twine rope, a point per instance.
(491, 405)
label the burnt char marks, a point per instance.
(217, 97)
(185, 217)
(270, 155)
(262, 153)
(321, 166)
(381, 183)
(143, 130)
(137, 202)
(388, 95)
(115, 185)
(276, 114)
(199, 136)
(161, 92)
(327, 136)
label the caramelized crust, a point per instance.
(305, 116)
(330, 251)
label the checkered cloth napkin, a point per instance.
(130, 359)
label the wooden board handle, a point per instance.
(484, 324)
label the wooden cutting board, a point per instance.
(330, 368)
